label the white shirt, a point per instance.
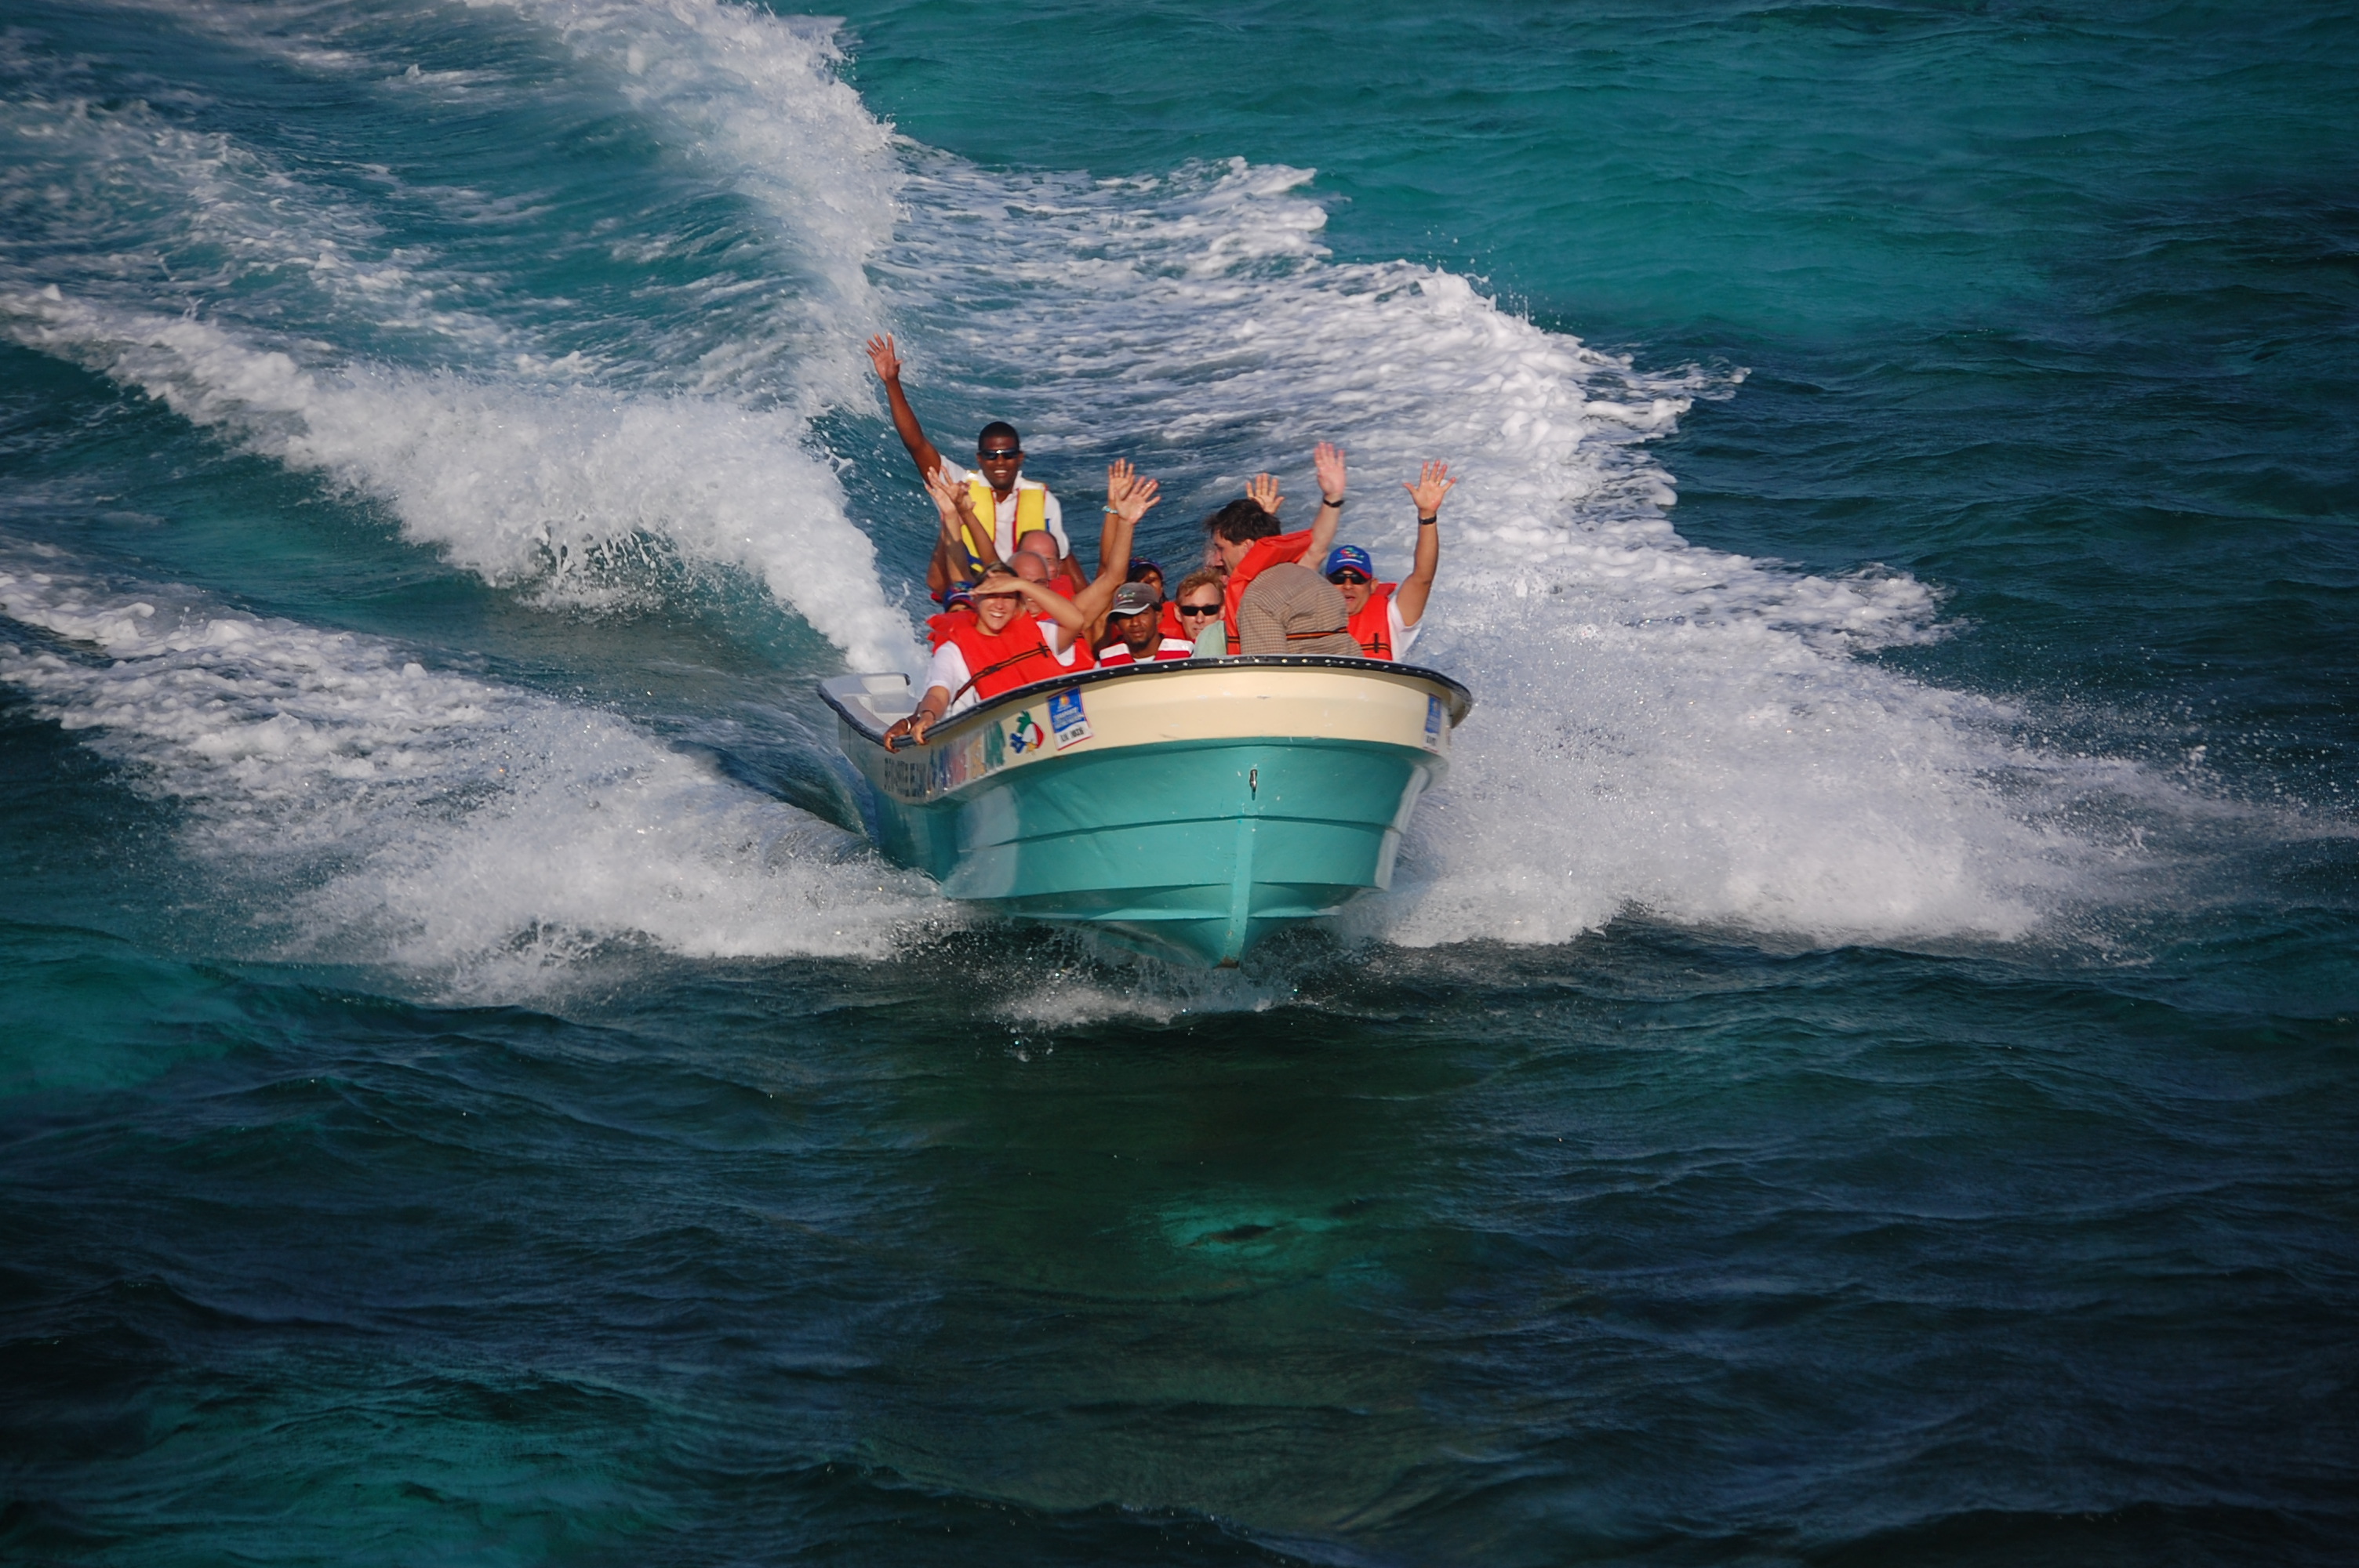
(1402, 635)
(947, 669)
(1005, 522)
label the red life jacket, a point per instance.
(1113, 656)
(1265, 554)
(1372, 628)
(938, 627)
(1170, 625)
(1083, 659)
(1017, 655)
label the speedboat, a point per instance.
(1190, 808)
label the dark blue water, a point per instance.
(1858, 1065)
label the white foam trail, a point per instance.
(523, 483)
(1658, 726)
(737, 95)
(459, 827)
(127, 200)
(515, 465)
(754, 97)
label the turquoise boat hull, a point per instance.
(1191, 810)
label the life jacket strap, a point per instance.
(1008, 663)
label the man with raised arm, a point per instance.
(1385, 615)
(1292, 610)
(1016, 505)
(1005, 648)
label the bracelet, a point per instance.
(1327, 500)
(1428, 521)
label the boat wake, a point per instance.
(365, 808)
(1661, 727)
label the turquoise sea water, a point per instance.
(1858, 1067)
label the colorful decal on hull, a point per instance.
(1025, 734)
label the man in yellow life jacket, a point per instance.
(1014, 505)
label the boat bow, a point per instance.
(1189, 807)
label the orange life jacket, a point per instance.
(1372, 628)
(1265, 554)
(939, 627)
(1002, 661)
(1083, 659)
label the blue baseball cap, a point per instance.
(1348, 557)
(958, 596)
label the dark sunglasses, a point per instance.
(1199, 610)
(1349, 577)
(996, 455)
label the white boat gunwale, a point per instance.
(842, 693)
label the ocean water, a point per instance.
(1858, 1067)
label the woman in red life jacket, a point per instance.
(1135, 621)
(1247, 540)
(1006, 648)
(1386, 616)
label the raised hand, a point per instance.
(1431, 486)
(956, 503)
(1128, 495)
(881, 355)
(1328, 457)
(1263, 493)
(949, 499)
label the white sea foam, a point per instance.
(459, 826)
(534, 483)
(1660, 726)
(134, 206)
(753, 98)
(733, 94)
(529, 469)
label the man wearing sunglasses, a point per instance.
(1196, 610)
(1385, 615)
(1016, 506)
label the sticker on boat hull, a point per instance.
(1066, 718)
(1024, 733)
(1433, 724)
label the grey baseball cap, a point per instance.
(1132, 598)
